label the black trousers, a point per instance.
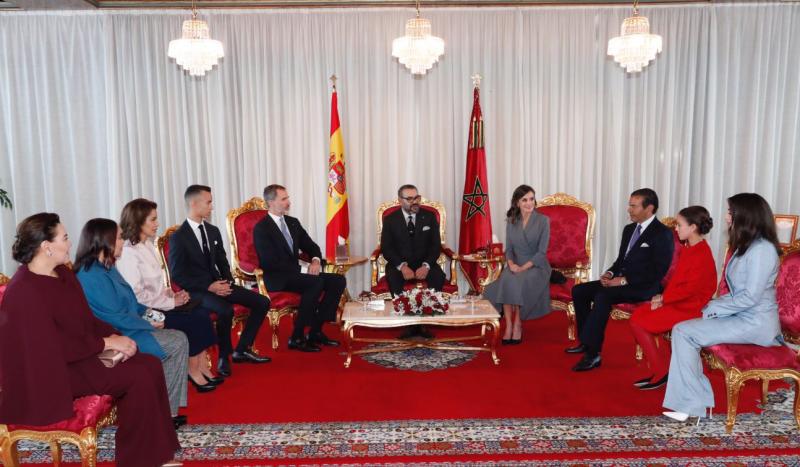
(313, 312)
(223, 306)
(435, 278)
(592, 320)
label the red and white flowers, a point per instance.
(420, 302)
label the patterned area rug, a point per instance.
(419, 359)
(591, 438)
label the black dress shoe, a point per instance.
(249, 356)
(507, 341)
(179, 421)
(580, 348)
(515, 341)
(588, 362)
(642, 382)
(302, 345)
(215, 380)
(654, 384)
(224, 367)
(207, 387)
(319, 338)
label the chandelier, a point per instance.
(418, 50)
(635, 47)
(194, 51)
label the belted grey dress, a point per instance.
(529, 289)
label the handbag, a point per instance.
(557, 278)
(110, 357)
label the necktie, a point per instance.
(636, 234)
(286, 234)
(411, 226)
(204, 239)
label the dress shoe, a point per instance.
(588, 362)
(515, 341)
(302, 345)
(679, 416)
(179, 421)
(249, 356)
(319, 338)
(207, 387)
(215, 380)
(224, 367)
(507, 341)
(654, 384)
(172, 463)
(643, 381)
(580, 348)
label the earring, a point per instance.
(49, 253)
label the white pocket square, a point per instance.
(215, 242)
(645, 245)
(427, 227)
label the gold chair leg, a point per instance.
(797, 402)
(572, 327)
(55, 452)
(764, 391)
(274, 322)
(88, 447)
(733, 384)
(639, 353)
(8, 450)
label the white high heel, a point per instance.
(679, 416)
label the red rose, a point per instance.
(427, 310)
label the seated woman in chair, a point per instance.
(748, 314)
(112, 300)
(523, 289)
(690, 288)
(49, 343)
(141, 268)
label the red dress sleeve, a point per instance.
(695, 278)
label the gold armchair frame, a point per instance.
(581, 272)
(256, 275)
(735, 378)
(378, 262)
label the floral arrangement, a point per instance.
(420, 302)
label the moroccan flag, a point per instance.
(476, 219)
(338, 218)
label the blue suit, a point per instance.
(747, 315)
(112, 300)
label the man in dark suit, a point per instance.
(279, 239)
(198, 263)
(645, 254)
(411, 244)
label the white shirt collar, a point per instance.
(406, 214)
(646, 223)
(277, 219)
(194, 225)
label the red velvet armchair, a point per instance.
(743, 362)
(570, 249)
(379, 285)
(244, 262)
(91, 413)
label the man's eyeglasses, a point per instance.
(411, 199)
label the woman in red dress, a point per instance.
(49, 341)
(690, 288)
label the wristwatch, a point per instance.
(623, 281)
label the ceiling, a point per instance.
(95, 4)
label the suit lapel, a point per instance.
(276, 232)
(192, 239)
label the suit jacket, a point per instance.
(398, 247)
(189, 267)
(649, 258)
(274, 256)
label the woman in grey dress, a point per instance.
(523, 289)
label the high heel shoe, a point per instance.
(207, 387)
(507, 341)
(215, 380)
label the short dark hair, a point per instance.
(98, 236)
(133, 216)
(31, 232)
(649, 198)
(407, 186)
(751, 218)
(194, 190)
(698, 216)
(271, 191)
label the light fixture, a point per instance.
(194, 51)
(418, 50)
(635, 47)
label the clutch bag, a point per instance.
(110, 357)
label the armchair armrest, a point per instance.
(449, 253)
(375, 254)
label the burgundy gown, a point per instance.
(49, 341)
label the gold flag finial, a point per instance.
(333, 79)
(476, 80)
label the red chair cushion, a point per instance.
(628, 307)
(240, 311)
(3, 291)
(278, 300)
(88, 410)
(562, 292)
(243, 227)
(787, 291)
(755, 357)
(568, 226)
(383, 287)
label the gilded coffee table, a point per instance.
(481, 312)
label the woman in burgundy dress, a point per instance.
(49, 341)
(690, 288)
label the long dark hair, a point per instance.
(751, 218)
(698, 216)
(133, 217)
(98, 236)
(513, 214)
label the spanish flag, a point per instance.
(338, 218)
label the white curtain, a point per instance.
(95, 114)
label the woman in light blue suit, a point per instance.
(112, 300)
(748, 314)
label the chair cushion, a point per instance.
(280, 300)
(243, 227)
(628, 307)
(383, 287)
(754, 357)
(2, 291)
(787, 291)
(88, 410)
(562, 292)
(568, 226)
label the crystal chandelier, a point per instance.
(194, 51)
(635, 47)
(418, 50)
